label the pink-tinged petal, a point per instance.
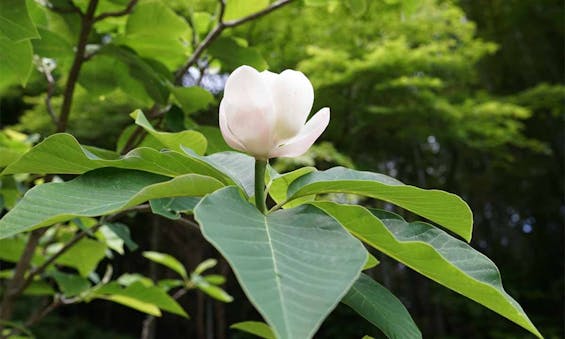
(227, 133)
(304, 140)
(248, 109)
(293, 96)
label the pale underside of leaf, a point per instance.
(294, 264)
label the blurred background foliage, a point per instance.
(464, 96)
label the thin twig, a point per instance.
(50, 91)
(217, 30)
(145, 330)
(129, 7)
(41, 313)
(87, 22)
(40, 269)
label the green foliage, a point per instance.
(446, 209)
(257, 328)
(376, 304)
(397, 75)
(434, 254)
(293, 264)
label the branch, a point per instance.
(87, 21)
(125, 11)
(13, 289)
(220, 26)
(40, 269)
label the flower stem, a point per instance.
(260, 166)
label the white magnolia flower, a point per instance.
(264, 114)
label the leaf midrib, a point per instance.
(277, 279)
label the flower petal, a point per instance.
(304, 140)
(293, 96)
(227, 133)
(248, 111)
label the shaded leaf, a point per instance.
(379, 306)
(70, 284)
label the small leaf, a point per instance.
(148, 299)
(379, 306)
(173, 141)
(134, 303)
(255, 327)
(212, 290)
(70, 284)
(205, 265)
(215, 279)
(371, 262)
(123, 232)
(167, 260)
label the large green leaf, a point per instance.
(99, 192)
(15, 22)
(15, 61)
(378, 305)
(433, 253)
(446, 209)
(62, 154)
(173, 141)
(154, 77)
(294, 265)
(154, 30)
